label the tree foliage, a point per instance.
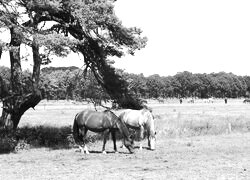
(88, 27)
(184, 84)
(219, 85)
(58, 83)
(187, 84)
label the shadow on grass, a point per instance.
(45, 136)
(108, 152)
(40, 136)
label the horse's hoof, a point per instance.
(116, 152)
(131, 151)
(80, 150)
(104, 152)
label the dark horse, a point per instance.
(106, 122)
(246, 101)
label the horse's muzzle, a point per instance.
(131, 149)
(152, 149)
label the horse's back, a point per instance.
(81, 117)
(246, 101)
(132, 117)
(93, 120)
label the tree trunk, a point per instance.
(15, 106)
(16, 103)
(1, 51)
(3, 88)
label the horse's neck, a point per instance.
(122, 128)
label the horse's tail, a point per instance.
(76, 134)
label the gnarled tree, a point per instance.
(89, 27)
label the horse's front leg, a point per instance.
(141, 136)
(113, 133)
(106, 133)
(149, 144)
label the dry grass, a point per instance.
(172, 118)
(200, 157)
(189, 155)
(200, 119)
(52, 118)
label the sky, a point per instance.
(199, 36)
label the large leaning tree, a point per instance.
(58, 27)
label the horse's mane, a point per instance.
(109, 111)
(120, 124)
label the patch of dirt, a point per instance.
(202, 157)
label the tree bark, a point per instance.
(3, 88)
(1, 51)
(16, 103)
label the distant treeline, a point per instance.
(76, 84)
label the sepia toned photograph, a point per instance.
(124, 90)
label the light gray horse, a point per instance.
(141, 120)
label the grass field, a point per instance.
(194, 141)
(172, 119)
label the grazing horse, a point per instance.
(140, 120)
(246, 101)
(209, 100)
(191, 101)
(106, 122)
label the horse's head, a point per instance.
(128, 141)
(151, 130)
(129, 144)
(152, 139)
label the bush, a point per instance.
(39, 136)
(46, 136)
(7, 141)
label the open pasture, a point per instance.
(194, 141)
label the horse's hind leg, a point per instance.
(141, 136)
(83, 132)
(106, 133)
(113, 133)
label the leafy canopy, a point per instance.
(88, 27)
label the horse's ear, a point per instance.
(155, 133)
